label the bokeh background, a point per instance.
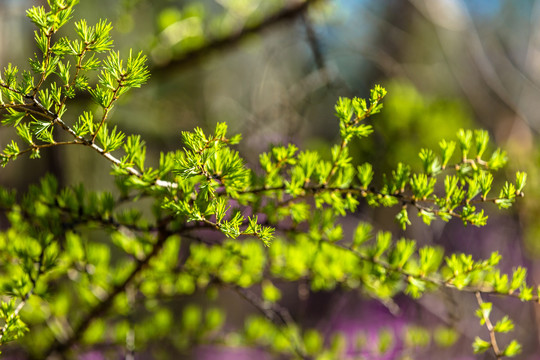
(273, 69)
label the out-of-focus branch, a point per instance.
(315, 47)
(289, 13)
(486, 70)
(272, 312)
(489, 326)
(61, 347)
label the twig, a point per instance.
(288, 13)
(79, 140)
(46, 60)
(104, 305)
(448, 283)
(315, 47)
(344, 142)
(489, 326)
(109, 106)
(272, 312)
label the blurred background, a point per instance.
(273, 69)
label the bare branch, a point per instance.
(192, 57)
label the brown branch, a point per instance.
(490, 328)
(5, 86)
(401, 197)
(192, 57)
(79, 140)
(48, 145)
(315, 47)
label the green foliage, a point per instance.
(93, 259)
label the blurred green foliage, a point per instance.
(83, 269)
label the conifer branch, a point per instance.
(350, 124)
(214, 191)
(79, 140)
(109, 106)
(489, 326)
(437, 282)
(58, 347)
(70, 86)
(46, 60)
(25, 298)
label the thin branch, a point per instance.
(107, 109)
(315, 47)
(192, 57)
(5, 86)
(44, 146)
(344, 142)
(46, 60)
(401, 196)
(104, 305)
(448, 283)
(81, 219)
(55, 119)
(69, 86)
(273, 312)
(490, 328)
